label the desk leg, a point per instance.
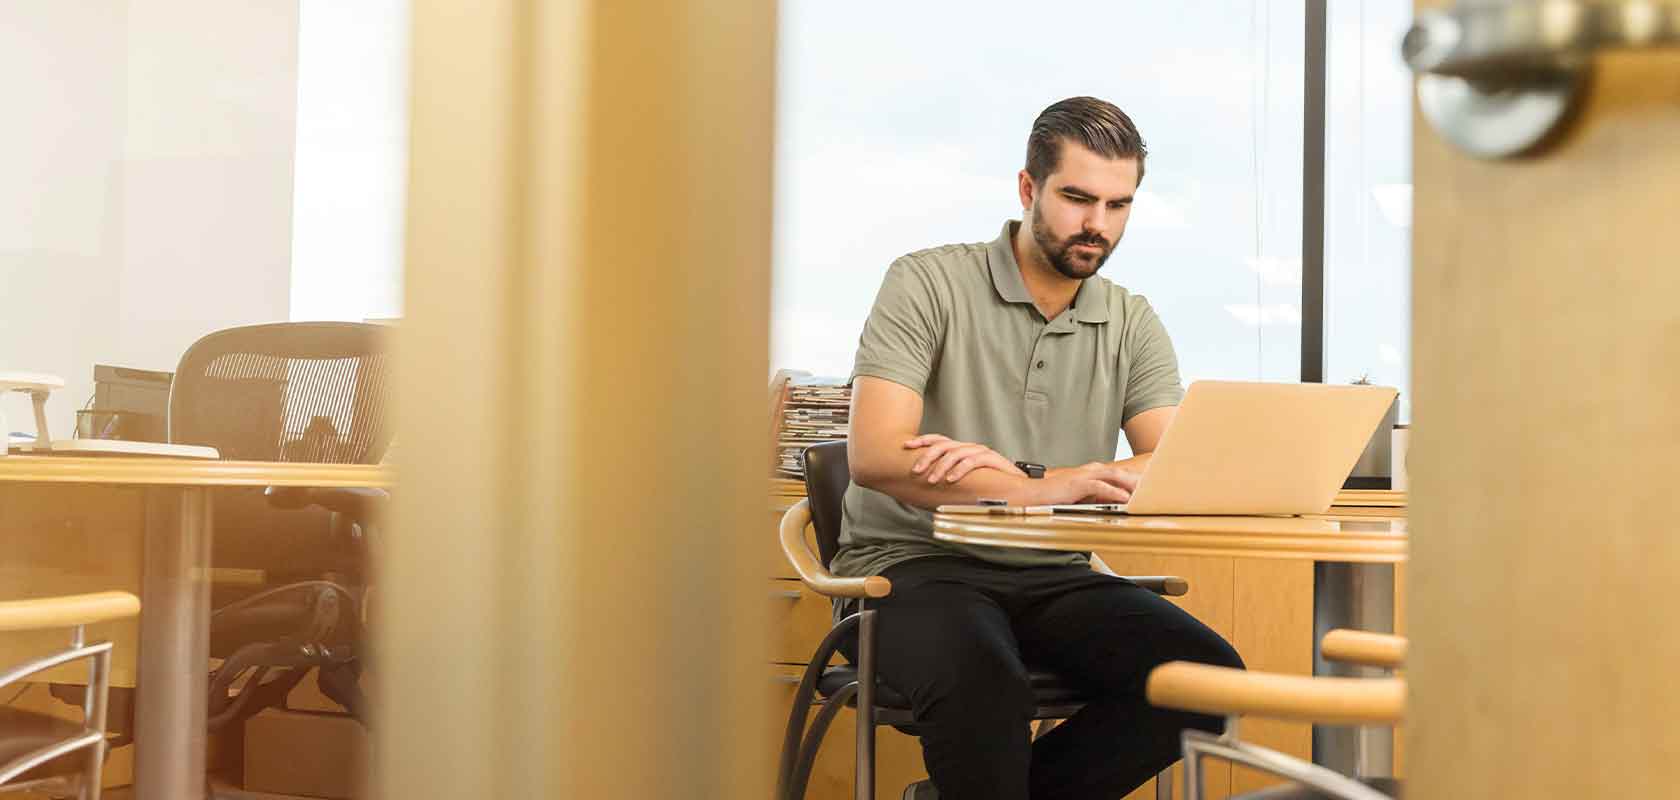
(1357, 596)
(170, 697)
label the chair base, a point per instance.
(1392, 787)
(1313, 781)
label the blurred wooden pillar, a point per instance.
(1546, 348)
(570, 607)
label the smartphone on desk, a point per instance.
(998, 509)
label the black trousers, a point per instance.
(956, 636)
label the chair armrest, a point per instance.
(1233, 692)
(810, 568)
(1364, 647)
(1169, 585)
(66, 611)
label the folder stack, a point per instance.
(816, 410)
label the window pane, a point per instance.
(352, 159)
(1368, 196)
(893, 138)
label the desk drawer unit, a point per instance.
(800, 619)
(774, 560)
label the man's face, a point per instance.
(1080, 212)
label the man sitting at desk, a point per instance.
(978, 364)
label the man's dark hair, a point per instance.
(1098, 125)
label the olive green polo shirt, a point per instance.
(957, 325)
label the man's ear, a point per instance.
(1026, 187)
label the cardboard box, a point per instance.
(306, 753)
(307, 696)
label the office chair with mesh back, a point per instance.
(294, 392)
(41, 751)
(827, 475)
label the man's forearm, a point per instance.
(912, 489)
(897, 481)
(1136, 463)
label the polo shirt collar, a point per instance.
(1089, 305)
(1006, 273)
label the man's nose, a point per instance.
(1095, 222)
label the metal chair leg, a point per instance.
(1163, 785)
(803, 698)
(1192, 769)
(813, 741)
(864, 774)
(94, 710)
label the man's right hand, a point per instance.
(1095, 482)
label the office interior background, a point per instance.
(193, 166)
(173, 167)
(179, 167)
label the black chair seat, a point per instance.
(24, 732)
(1295, 791)
(1050, 692)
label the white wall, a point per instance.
(145, 181)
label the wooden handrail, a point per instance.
(66, 611)
(1364, 647)
(811, 569)
(1224, 691)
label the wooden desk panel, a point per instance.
(70, 539)
(1273, 602)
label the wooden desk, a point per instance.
(1337, 568)
(174, 505)
(1343, 538)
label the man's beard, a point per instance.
(1060, 254)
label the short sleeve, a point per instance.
(1152, 380)
(905, 329)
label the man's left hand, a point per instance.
(948, 460)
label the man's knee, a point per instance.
(1222, 654)
(1203, 646)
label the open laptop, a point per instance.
(1255, 448)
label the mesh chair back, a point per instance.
(826, 477)
(291, 391)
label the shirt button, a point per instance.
(1041, 365)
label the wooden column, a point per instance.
(1546, 348)
(570, 609)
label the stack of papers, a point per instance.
(817, 410)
